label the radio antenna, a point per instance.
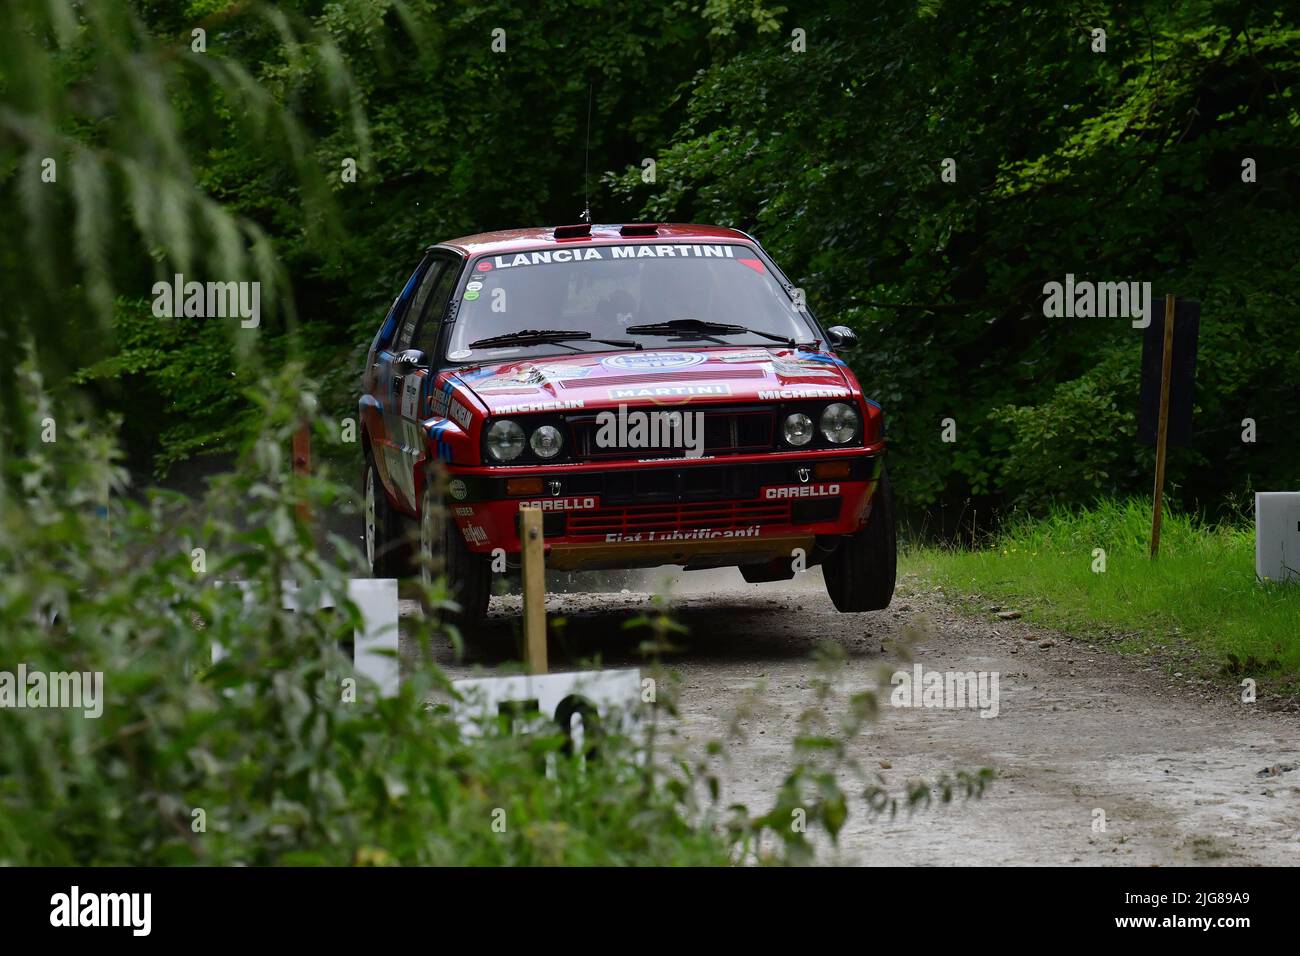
(586, 164)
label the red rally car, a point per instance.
(660, 392)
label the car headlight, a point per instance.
(839, 423)
(798, 429)
(505, 440)
(546, 441)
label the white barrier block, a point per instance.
(1277, 535)
(376, 599)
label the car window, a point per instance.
(436, 270)
(605, 289)
(426, 334)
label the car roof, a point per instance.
(543, 237)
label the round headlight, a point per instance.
(798, 429)
(546, 441)
(505, 440)
(839, 423)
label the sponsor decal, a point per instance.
(456, 488)
(753, 355)
(474, 286)
(459, 354)
(803, 368)
(698, 458)
(462, 511)
(800, 491)
(683, 393)
(559, 504)
(410, 395)
(562, 373)
(698, 534)
(640, 251)
(652, 361)
(559, 406)
(461, 415)
(471, 296)
(412, 435)
(788, 393)
(441, 396)
(474, 534)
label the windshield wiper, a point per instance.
(548, 337)
(705, 329)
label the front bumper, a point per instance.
(701, 513)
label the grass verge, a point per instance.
(1199, 604)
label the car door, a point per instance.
(413, 379)
(377, 384)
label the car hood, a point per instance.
(658, 376)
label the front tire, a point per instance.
(861, 572)
(443, 553)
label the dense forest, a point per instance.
(922, 169)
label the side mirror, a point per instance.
(408, 361)
(842, 337)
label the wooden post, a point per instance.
(534, 581)
(302, 463)
(1162, 437)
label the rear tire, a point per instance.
(860, 573)
(384, 530)
(443, 553)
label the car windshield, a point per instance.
(604, 290)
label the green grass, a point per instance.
(1199, 604)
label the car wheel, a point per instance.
(443, 552)
(860, 573)
(387, 553)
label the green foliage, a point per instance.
(219, 164)
(1125, 164)
(1111, 166)
(265, 743)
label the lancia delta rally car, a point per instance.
(659, 392)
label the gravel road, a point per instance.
(1175, 766)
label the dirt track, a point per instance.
(1175, 767)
